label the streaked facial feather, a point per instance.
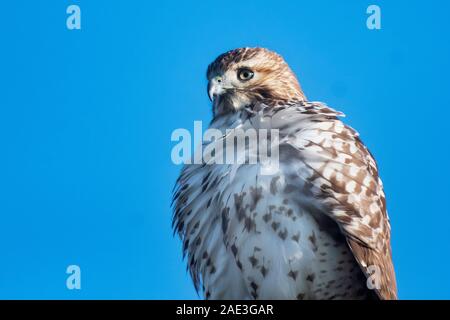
(273, 83)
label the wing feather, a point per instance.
(345, 182)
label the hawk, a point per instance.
(314, 228)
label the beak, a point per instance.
(215, 87)
(210, 90)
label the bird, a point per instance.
(315, 227)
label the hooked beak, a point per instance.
(210, 90)
(215, 87)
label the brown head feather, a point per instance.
(273, 82)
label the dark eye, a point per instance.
(245, 74)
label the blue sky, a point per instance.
(86, 118)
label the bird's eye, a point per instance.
(245, 74)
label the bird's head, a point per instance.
(245, 76)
